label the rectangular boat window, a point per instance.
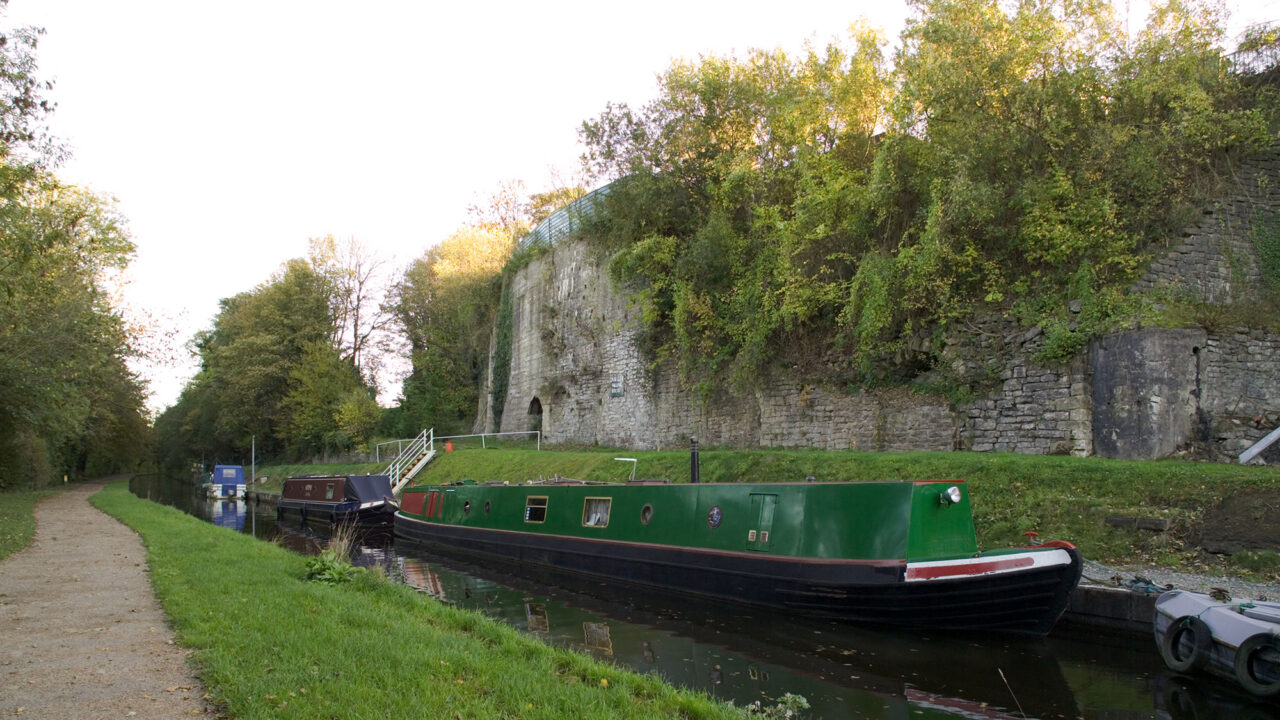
(328, 492)
(595, 512)
(535, 509)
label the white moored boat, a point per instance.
(1235, 640)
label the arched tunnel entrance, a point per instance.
(535, 415)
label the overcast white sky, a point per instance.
(232, 132)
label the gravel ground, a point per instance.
(1134, 577)
(83, 634)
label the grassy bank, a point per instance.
(17, 519)
(269, 645)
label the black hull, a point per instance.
(325, 515)
(874, 593)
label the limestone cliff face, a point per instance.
(578, 375)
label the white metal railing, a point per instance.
(422, 445)
(483, 444)
(377, 449)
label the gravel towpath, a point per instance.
(81, 632)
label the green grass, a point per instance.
(269, 645)
(17, 519)
(1060, 497)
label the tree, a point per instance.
(328, 405)
(738, 196)
(446, 305)
(248, 360)
(353, 275)
(62, 344)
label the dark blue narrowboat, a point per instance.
(329, 500)
(226, 481)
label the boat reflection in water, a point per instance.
(745, 657)
(227, 513)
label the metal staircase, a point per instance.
(411, 460)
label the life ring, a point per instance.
(1201, 643)
(1249, 651)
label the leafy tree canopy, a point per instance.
(69, 405)
(833, 212)
(445, 305)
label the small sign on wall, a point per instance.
(615, 386)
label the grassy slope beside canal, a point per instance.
(17, 519)
(1059, 497)
(269, 645)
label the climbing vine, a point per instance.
(1265, 235)
(502, 355)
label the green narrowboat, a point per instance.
(885, 553)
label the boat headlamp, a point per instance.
(950, 496)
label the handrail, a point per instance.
(564, 220)
(423, 444)
(1256, 449)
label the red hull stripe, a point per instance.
(939, 571)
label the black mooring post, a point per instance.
(693, 460)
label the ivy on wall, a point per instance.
(1266, 243)
(502, 355)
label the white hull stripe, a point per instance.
(971, 567)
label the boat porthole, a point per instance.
(1186, 644)
(486, 507)
(646, 514)
(1257, 653)
(714, 516)
(466, 508)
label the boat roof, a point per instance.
(363, 488)
(568, 482)
(368, 487)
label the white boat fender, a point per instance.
(1200, 637)
(1250, 650)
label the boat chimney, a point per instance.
(693, 460)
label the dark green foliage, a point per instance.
(329, 568)
(829, 212)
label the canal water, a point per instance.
(749, 656)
